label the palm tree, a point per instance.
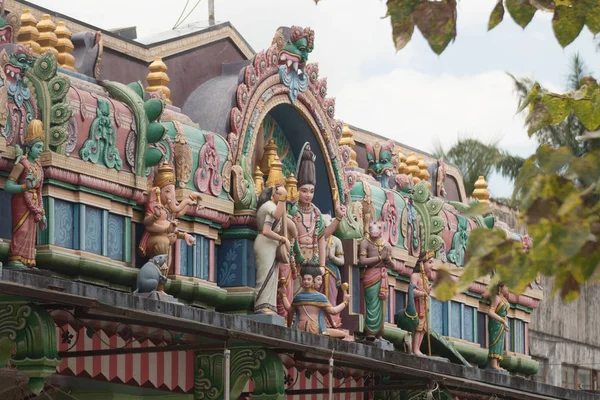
(474, 158)
(566, 132)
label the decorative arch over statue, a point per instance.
(280, 75)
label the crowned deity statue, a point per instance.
(420, 278)
(25, 184)
(312, 309)
(162, 211)
(498, 326)
(375, 255)
(274, 266)
(311, 245)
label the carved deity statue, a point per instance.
(271, 247)
(312, 309)
(498, 326)
(162, 211)
(375, 255)
(420, 278)
(380, 162)
(25, 184)
(294, 44)
(332, 278)
(312, 233)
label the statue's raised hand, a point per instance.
(190, 240)
(340, 211)
(157, 211)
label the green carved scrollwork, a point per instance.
(29, 332)
(51, 96)
(262, 366)
(100, 147)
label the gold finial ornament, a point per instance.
(47, 39)
(413, 167)
(259, 182)
(165, 176)
(481, 193)
(35, 132)
(402, 167)
(158, 80)
(423, 173)
(28, 33)
(291, 186)
(64, 46)
(276, 177)
(348, 140)
(269, 155)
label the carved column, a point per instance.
(31, 331)
(261, 365)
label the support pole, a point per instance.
(211, 12)
(227, 371)
(330, 379)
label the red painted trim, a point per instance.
(177, 258)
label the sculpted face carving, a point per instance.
(307, 193)
(428, 265)
(167, 196)
(375, 229)
(294, 54)
(18, 64)
(307, 281)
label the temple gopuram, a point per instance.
(185, 218)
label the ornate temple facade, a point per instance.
(129, 235)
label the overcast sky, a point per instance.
(413, 96)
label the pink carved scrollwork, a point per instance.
(207, 177)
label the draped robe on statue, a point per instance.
(311, 299)
(27, 211)
(265, 250)
(497, 330)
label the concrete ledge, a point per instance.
(214, 324)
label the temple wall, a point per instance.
(566, 334)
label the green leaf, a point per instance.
(538, 117)
(483, 241)
(401, 8)
(552, 161)
(496, 16)
(571, 203)
(569, 287)
(587, 109)
(592, 16)
(558, 106)
(568, 22)
(476, 209)
(437, 22)
(444, 285)
(402, 30)
(521, 11)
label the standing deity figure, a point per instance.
(311, 307)
(271, 247)
(420, 278)
(332, 279)
(312, 233)
(375, 255)
(25, 184)
(498, 326)
(162, 211)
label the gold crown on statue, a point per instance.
(35, 132)
(165, 176)
(428, 255)
(276, 177)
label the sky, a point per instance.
(412, 96)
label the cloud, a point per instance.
(418, 109)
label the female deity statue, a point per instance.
(270, 210)
(375, 254)
(498, 326)
(312, 232)
(420, 278)
(311, 307)
(25, 184)
(162, 211)
(332, 279)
